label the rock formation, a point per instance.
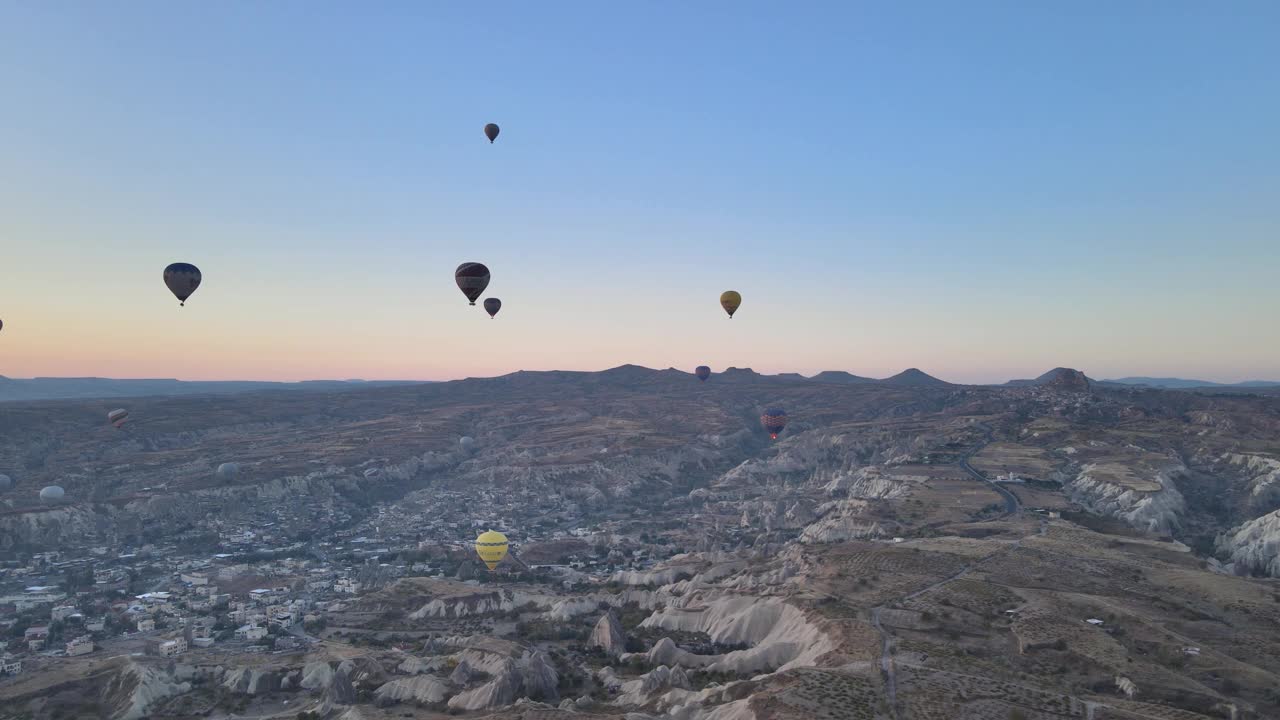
(608, 635)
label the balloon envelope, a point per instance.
(227, 471)
(466, 443)
(491, 546)
(118, 417)
(492, 306)
(52, 494)
(703, 372)
(182, 279)
(472, 279)
(774, 420)
(491, 132)
(6, 482)
(730, 300)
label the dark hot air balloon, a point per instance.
(472, 279)
(491, 132)
(1, 324)
(118, 417)
(492, 306)
(182, 279)
(774, 420)
(730, 300)
(703, 372)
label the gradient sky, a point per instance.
(984, 190)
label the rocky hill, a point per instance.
(901, 551)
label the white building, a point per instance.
(10, 665)
(250, 632)
(62, 612)
(346, 585)
(194, 578)
(170, 647)
(80, 646)
(146, 625)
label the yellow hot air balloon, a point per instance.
(491, 546)
(730, 300)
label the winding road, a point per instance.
(1011, 504)
(1011, 507)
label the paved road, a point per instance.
(1011, 504)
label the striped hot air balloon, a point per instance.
(730, 300)
(182, 279)
(118, 417)
(774, 420)
(491, 546)
(472, 279)
(703, 372)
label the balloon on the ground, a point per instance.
(227, 471)
(491, 546)
(118, 417)
(472, 279)
(492, 306)
(730, 300)
(182, 279)
(6, 482)
(703, 372)
(491, 131)
(467, 443)
(52, 494)
(774, 420)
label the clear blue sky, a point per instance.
(981, 189)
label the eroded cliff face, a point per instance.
(779, 635)
(1262, 476)
(1253, 547)
(842, 520)
(1150, 503)
(135, 688)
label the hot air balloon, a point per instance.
(730, 300)
(466, 443)
(491, 546)
(6, 482)
(118, 417)
(472, 279)
(52, 494)
(703, 372)
(774, 420)
(227, 471)
(182, 280)
(491, 131)
(1, 324)
(492, 306)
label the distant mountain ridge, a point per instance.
(87, 388)
(913, 377)
(1059, 377)
(1181, 383)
